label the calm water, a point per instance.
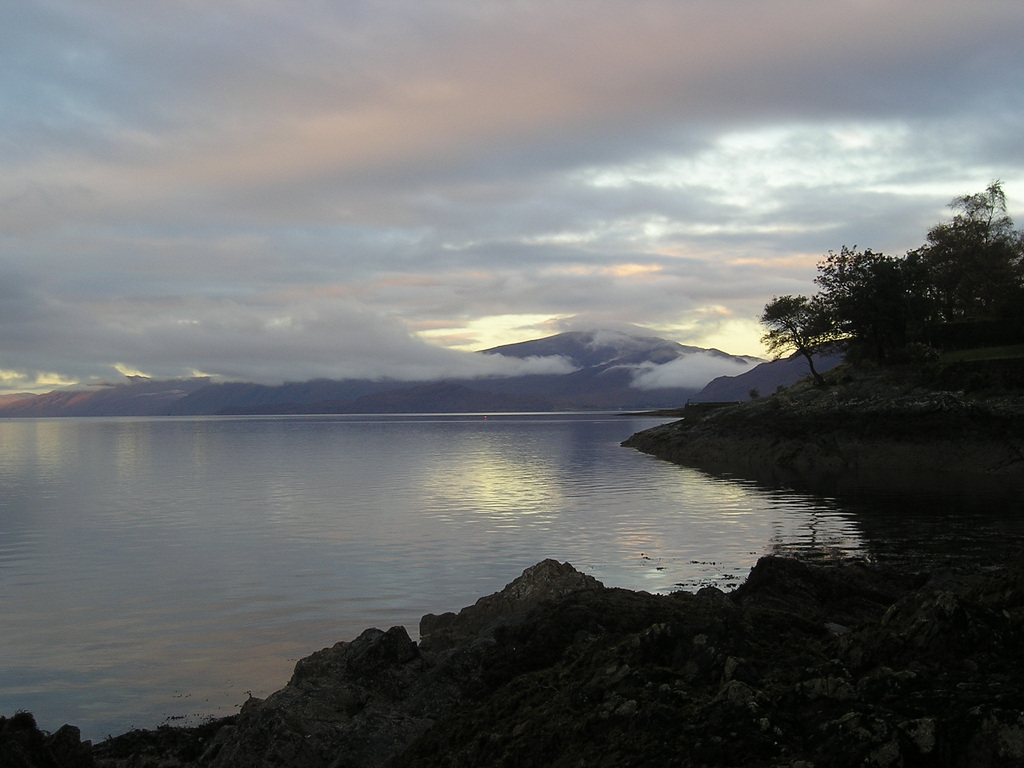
(156, 570)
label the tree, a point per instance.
(974, 263)
(870, 298)
(800, 324)
(872, 305)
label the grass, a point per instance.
(1010, 352)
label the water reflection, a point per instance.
(33, 448)
(503, 483)
(813, 535)
(247, 543)
(915, 522)
(937, 530)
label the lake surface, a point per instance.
(162, 570)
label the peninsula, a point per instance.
(865, 429)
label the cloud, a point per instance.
(693, 370)
(297, 189)
(266, 338)
(502, 365)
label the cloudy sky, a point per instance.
(269, 190)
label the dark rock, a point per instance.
(347, 705)
(360, 702)
(761, 681)
(163, 747)
(23, 745)
(848, 592)
(843, 664)
(548, 580)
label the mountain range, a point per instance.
(608, 370)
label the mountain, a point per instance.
(314, 396)
(620, 370)
(595, 349)
(609, 370)
(766, 378)
(138, 396)
(14, 398)
(446, 397)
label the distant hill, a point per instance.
(766, 378)
(14, 398)
(446, 397)
(138, 396)
(609, 370)
(314, 396)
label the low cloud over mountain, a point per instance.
(580, 369)
(653, 363)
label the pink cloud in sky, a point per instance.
(377, 168)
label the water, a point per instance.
(162, 570)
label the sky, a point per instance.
(270, 191)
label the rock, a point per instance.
(558, 670)
(163, 747)
(358, 703)
(548, 580)
(760, 682)
(348, 705)
(23, 745)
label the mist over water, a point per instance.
(158, 570)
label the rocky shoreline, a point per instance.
(864, 434)
(803, 665)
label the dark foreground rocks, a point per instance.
(804, 665)
(23, 745)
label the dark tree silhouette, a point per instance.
(974, 264)
(870, 298)
(800, 324)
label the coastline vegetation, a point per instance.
(963, 289)
(932, 390)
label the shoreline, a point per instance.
(855, 438)
(844, 663)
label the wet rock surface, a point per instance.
(836, 664)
